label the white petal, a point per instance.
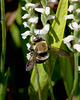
(74, 0)
(26, 0)
(28, 56)
(50, 17)
(24, 35)
(68, 39)
(23, 8)
(42, 31)
(25, 16)
(52, 0)
(33, 20)
(25, 24)
(77, 47)
(79, 40)
(41, 10)
(37, 4)
(79, 68)
(31, 5)
(70, 9)
(71, 16)
(46, 28)
(32, 38)
(78, 10)
(76, 26)
(47, 10)
(70, 25)
(28, 45)
(37, 31)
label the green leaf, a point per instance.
(66, 72)
(15, 28)
(15, 33)
(18, 16)
(43, 78)
(44, 3)
(3, 85)
(1, 77)
(58, 25)
(56, 33)
(43, 19)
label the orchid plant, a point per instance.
(74, 10)
(32, 20)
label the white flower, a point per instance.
(50, 17)
(67, 42)
(74, 0)
(52, 0)
(25, 24)
(42, 10)
(70, 9)
(71, 16)
(42, 31)
(78, 10)
(24, 35)
(25, 16)
(33, 20)
(70, 25)
(26, 0)
(75, 26)
(28, 45)
(23, 8)
(47, 10)
(32, 38)
(68, 39)
(79, 40)
(77, 47)
(31, 5)
(78, 68)
(28, 56)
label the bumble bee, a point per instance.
(39, 52)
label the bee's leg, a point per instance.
(31, 49)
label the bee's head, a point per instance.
(38, 39)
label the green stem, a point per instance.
(51, 89)
(3, 85)
(3, 37)
(76, 54)
(50, 85)
(75, 76)
(39, 89)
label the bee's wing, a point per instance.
(31, 62)
(60, 52)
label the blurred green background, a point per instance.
(16, 50)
